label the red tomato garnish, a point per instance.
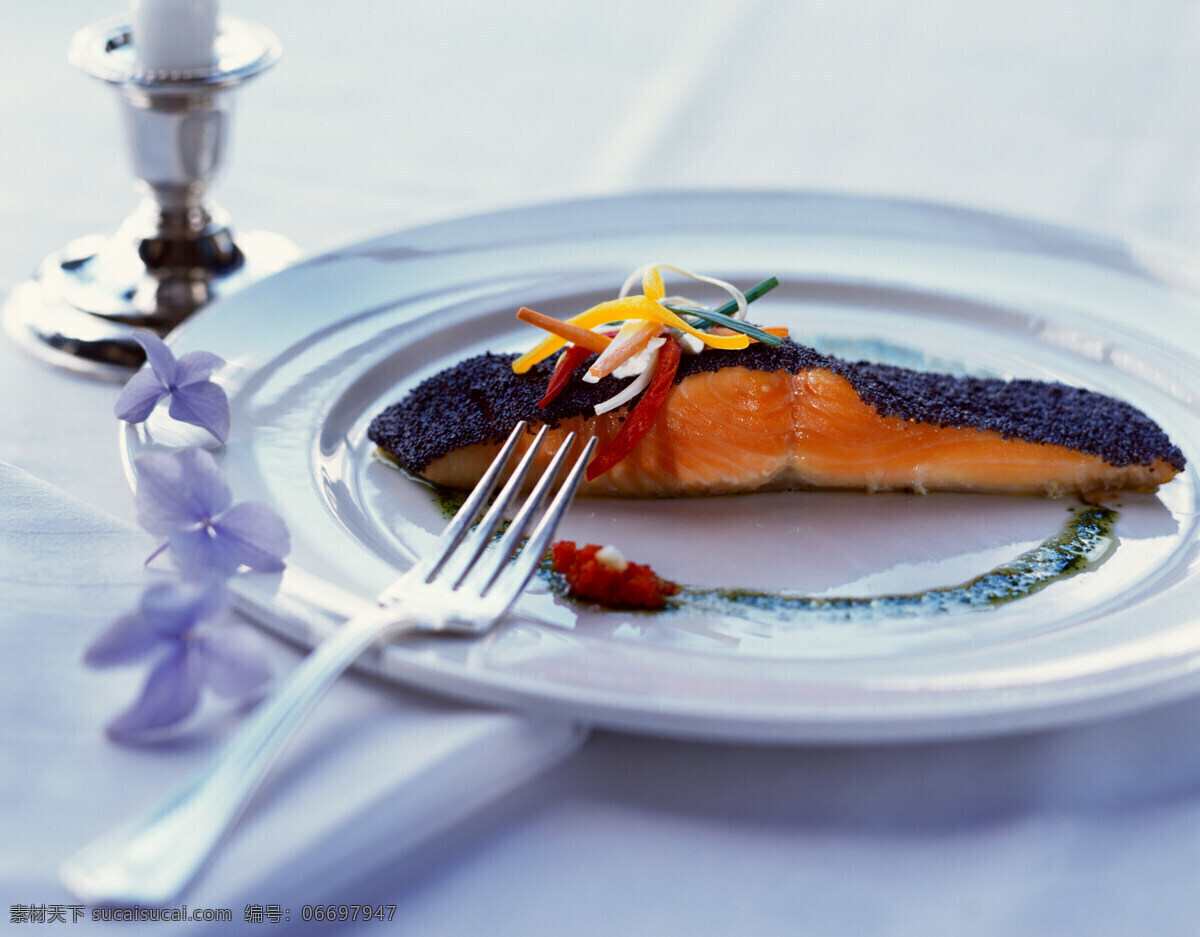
(636, 586)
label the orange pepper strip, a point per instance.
(779, 331)
(586, 338)
(643, 308)
(652, 284)
(631, 307)
(641, 417)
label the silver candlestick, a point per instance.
(176, 253)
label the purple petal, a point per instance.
(173, 609)
(179, 490)
(202, 404)
(158, 355)
(140, 396)
(201, 553)
(196, 366)
(255, 534)
(170, 694)
(127, 639)
(161, 504)
(232, 661)
(204, 481)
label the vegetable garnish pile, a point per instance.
(641, 337)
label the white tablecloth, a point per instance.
(386, 115)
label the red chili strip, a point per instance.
(640, 419)
(571, 358)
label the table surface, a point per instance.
(383, 116)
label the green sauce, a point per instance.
(1085, 541)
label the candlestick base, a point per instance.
(177, 252)
(80, 310)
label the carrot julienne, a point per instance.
(593, 341)
(632, 338)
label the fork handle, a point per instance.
(154, 855)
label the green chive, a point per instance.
(722, 314)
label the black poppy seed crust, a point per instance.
(480, 400)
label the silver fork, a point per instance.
(461, 588)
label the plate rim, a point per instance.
(726, 724)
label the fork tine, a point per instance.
(476, 540)
(513, 579)
(483, 573)
(152, 857)
(465, 516)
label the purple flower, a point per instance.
(170, 624)
(183, 497)
(194, 398)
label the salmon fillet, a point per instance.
(768, 418)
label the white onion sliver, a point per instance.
(640, 383)
(636, 364)
(738, 296)
(623, 370)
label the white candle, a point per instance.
(170, 35)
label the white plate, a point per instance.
(316, 351)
